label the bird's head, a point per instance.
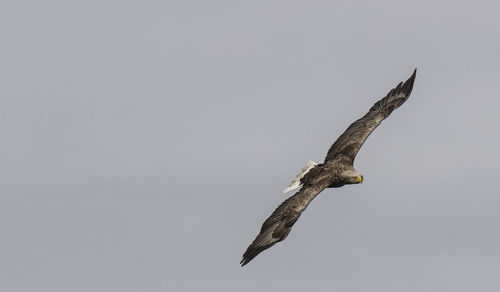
(353, 177)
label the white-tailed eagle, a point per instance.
(336, 171)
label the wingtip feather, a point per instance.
(408, 85)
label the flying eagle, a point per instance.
(336, 171)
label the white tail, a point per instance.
(296, 182)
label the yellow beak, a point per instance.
(359, 179)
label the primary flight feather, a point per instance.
(336, 171)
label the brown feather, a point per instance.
(349, 143)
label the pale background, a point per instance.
(144, 143)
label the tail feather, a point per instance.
(296, 182)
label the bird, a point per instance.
(336, 171)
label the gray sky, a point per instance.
(144, 143)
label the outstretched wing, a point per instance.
(349, 143)
(279, 224)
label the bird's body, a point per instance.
(337, 170)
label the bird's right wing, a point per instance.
(348, 144)
(279, 224)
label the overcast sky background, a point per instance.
(144, 143)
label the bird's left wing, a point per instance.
(348, 144)
(279, 224)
